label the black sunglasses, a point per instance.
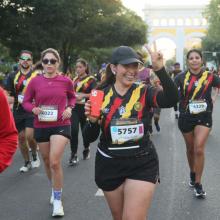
(49, 61)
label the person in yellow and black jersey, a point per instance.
(16, 86)
(127, 166)
(195, 119)
(83, 84)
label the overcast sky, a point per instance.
(138, 5)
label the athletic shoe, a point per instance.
(199, 192)
(86, 154)
(57, 208)
(26, 167)
(35, 163)
(51, 198)
(73, 160)
(192, 179)
(157, 126)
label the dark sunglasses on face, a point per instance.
(24, 58)
(49, 61)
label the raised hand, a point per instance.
(156, 58)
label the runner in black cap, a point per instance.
(126, 167)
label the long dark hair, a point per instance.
(109, 78)
(85, 64)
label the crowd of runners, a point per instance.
(49, 107)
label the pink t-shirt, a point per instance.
(57, 91)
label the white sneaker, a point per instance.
(51, 198)
(26, 167)
(35, 163)
(57, 208)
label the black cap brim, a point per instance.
(131, 60)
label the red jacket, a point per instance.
(8, 133)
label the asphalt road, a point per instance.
(26, 196)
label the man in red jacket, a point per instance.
(8, 133)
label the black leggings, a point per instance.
(78, 117)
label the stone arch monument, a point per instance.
(177, 23)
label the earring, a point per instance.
(114, 72)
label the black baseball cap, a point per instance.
(124, 55)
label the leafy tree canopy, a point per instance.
(67, 25)
(212, 41)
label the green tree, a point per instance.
(211, 42)
(69, 26)
(6, 61)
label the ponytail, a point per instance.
(109, 78)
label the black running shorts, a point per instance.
(43, 134)
(187, 124)
(23, 120)
(110, 173)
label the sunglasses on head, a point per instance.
(49, 61)
(24, 58)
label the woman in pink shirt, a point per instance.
(50, 97)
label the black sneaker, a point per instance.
(192, 179)
(73, 160)
(157, 126)
(86, 154)
(199, 192)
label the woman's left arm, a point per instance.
(71, 95)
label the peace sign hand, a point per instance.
(156, 58)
